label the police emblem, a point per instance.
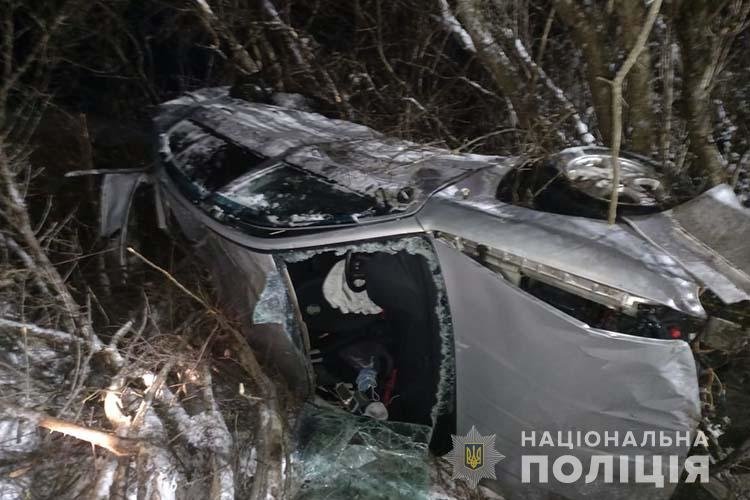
(474, 457)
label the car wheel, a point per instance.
(590, 171)
(578, 181)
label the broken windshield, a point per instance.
(343, 456)
(283, 195)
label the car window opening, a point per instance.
(375, 336)
(207, 160)
(578, 182)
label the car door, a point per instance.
(524, 367)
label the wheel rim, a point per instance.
(640, 184)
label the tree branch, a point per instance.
(114, 444)
(617, 82)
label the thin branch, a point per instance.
(617, 82)
(582, 129)
(217, 29)
(174, 281)
(45, 333)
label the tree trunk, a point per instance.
(589, 32)
(495, 59)
(639, 112)
(699, 51)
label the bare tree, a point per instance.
(61, 371)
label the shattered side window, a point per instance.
(240, 183)
(191, 161)
(183, 135)
(284, 196)
(207, 161)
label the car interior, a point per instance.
(385, 362)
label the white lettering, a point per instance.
(607, 462)
(562, 443)
(646, 436)
(567, 478)
(701, 439)
(526, 461)
(682, 439)
(665, 440)
(624, 468)
(595, 442)
(629, 439)
(614, 439)
(656, 477)
(695, 466)
(525, 438)
(546, 439)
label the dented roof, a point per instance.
(398, 174)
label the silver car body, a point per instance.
(514, 364)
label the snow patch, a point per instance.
(17, 436)
(255, 200)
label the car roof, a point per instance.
(401, 173)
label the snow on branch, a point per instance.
(45, 333)
(221, 443)
(203, 5)
(450, 22)
(478, 35)
(292, 38)
(581, 128)
(481, 35)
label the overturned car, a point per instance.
(408, 283)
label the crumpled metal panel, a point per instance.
(117, 192)
(251, 290)
(522, 365)
(177, 109)
(612, 255)
(245, 280)
(709, 235)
